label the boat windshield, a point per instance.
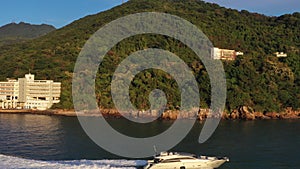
(157, 160)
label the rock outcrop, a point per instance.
(247, 113)
(273, 115)
(244, 113)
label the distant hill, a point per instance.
(19, 32)
(258, 79)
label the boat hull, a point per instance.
(187, 165)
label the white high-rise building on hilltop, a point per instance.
(224, 54)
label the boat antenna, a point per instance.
(155, 150)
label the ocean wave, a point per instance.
(10, 162)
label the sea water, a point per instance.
(37, 141)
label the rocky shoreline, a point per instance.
(246, 113)
(243, 113)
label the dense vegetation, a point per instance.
(257, 79)
(15, 33)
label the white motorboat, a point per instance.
(175, 160)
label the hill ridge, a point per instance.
(19, 32)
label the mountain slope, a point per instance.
(13, 32)
(257, 79)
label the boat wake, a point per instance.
(10, 162)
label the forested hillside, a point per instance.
(258, 79)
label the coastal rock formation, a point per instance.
(273, 115)
(246, 113)
(261, 116)
(170, 115)
(234, 115)
(225, 116)
(242, 113)
(289, 113)
(203, 113)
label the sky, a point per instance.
(62, 12)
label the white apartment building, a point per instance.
(224, 54)
(9, 92)
(28, 93)
(281, 54)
